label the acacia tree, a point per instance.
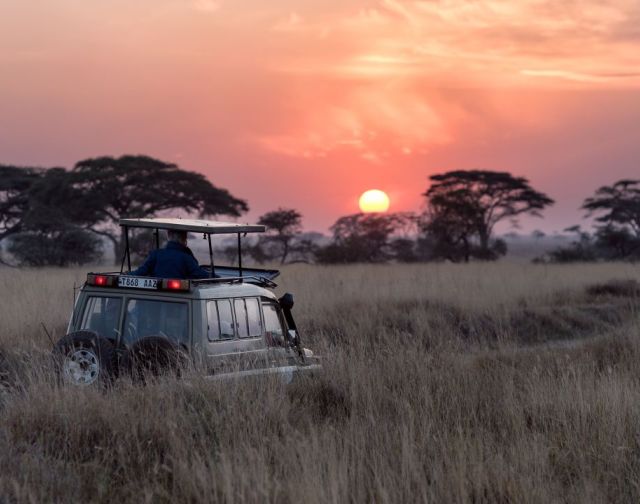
(15, 183)
(43, 218)
(14, 200)
(140, 186)
(283, 225)
(618, 211)
(616, 242)
(59, 246)
(619, 205)
(464, 206)
(450, 225)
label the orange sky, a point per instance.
(306, 105)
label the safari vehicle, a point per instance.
(229, 325)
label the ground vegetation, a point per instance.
(489, 382)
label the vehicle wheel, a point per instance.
(156, 355)
(84, 358)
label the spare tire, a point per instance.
(156, 355)
(83, 358)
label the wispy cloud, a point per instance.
(497, 36)
(291, 22)
(373, 122)
(582, 77)
(206, 5)
(428, 44)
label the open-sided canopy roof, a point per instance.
(193, 225)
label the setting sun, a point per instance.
(374, 200)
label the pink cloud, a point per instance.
(277, 100)
(392, 55)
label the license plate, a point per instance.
(137, 282)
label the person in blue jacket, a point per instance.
(175, 260)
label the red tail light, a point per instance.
(100, 280)
(178, 285)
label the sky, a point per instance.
(308, 104)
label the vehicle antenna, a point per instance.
(48, 335)
(75, 288)
(213, 268)
(239, 255)
(126, 240)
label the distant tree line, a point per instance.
(59, 217)
(616, 235)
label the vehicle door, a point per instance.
(234, 334)
(275, 332)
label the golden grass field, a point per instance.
(441, 383)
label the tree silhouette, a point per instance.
(616, 242)
(44, 218)
(619, 205)
(140, 186)
(53, 200)
(450, 225)
(282, 225)
(464, 206)
(364, 238)
(15, 183)
(60, 246)
(581, 249)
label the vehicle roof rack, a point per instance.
(207, 227)
(252, 279)
(193, 225)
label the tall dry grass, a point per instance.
(441, 383)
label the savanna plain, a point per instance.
(496, 382)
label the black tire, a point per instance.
(155, 356)
(83, 358)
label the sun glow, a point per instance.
(374, 200)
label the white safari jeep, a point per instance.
(229, 325)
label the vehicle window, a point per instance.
(241, 317)
(248, 317)
(220, 319)
(156, 318)
(102, 314)
(272, 322)
(253, 316)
